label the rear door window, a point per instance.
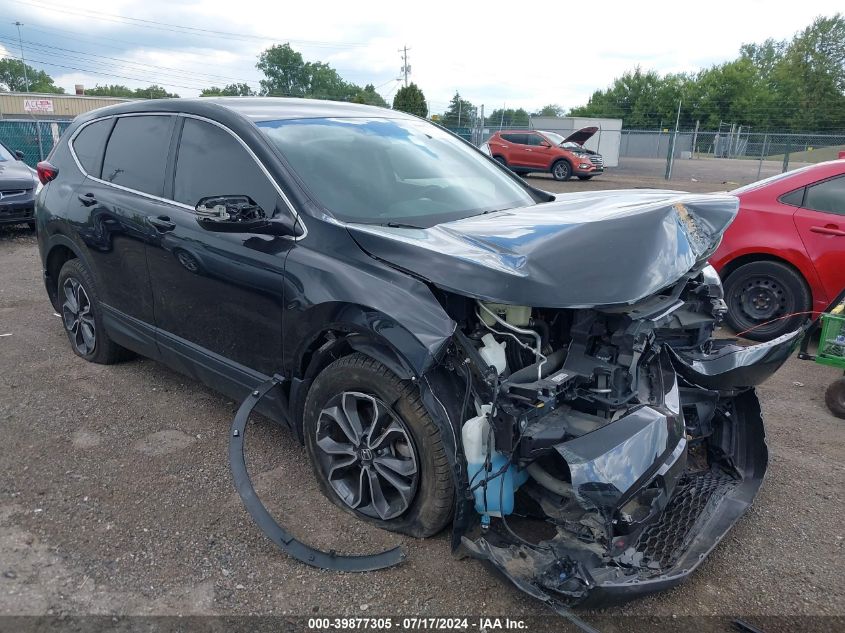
(211, 162)
(89, 145)
(136, 156)
(827, 196)
(519, 139)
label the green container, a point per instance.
(832, 341)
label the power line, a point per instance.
(30, 45)
(176, 28)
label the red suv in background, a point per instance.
(526, 151)
(785, 252)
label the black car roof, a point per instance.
(253, 108)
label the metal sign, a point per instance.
(41, 106)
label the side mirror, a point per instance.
(18, 154)
(240, 214)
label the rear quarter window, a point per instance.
(89, 145)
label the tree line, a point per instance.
(796, 84)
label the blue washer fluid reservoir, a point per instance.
(500, 490)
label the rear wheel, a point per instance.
(562, 170)
(501, 160)
(82, 317)
(761, 295)
(375, 451)
(834, 397)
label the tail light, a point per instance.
(46, 172)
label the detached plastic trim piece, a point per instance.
(275, 532)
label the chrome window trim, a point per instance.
(297, 216)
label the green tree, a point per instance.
(369, 96)
(229, 90)
(411, 99)
(460, 113)
(284, 71)
(508, 117)
(112, 90)
(153, 92)
(549, 110)
(12, 78)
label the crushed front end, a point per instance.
(605, 440)
(612, 448)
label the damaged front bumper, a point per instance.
(652, 493)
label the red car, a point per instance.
(526, 151)
(785, 252)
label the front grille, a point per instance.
(663, 542)
(12, 192)
(598, 161)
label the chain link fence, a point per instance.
(34, 138)
(728, 156)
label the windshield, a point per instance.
(5, 154)
(557, 139)
(382, 171)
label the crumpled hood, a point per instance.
(582, 250)
(15, 174)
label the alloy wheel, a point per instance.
(78, 318)
(367, 455)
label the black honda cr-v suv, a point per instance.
(450, 344)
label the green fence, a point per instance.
(34, 138)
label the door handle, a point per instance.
(87, 199)
(162, 223)
(528, 150)
(828, 230)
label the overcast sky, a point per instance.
(522, 58)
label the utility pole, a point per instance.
(406, 69)
(670, 159)
(23, 61)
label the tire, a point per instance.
(362, 385)
(834, 398)
(584, 177)
(764, 291)
(562, 170)
(82, 317)
(501, 160)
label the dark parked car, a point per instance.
(452, 345)
(17, 188)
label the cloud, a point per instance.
(546, 54)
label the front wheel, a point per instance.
(375, 450)
(765, 300)
(562, 170)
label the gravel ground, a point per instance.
(116, 499)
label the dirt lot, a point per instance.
(116, 499)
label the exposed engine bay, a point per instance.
(595, 423)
